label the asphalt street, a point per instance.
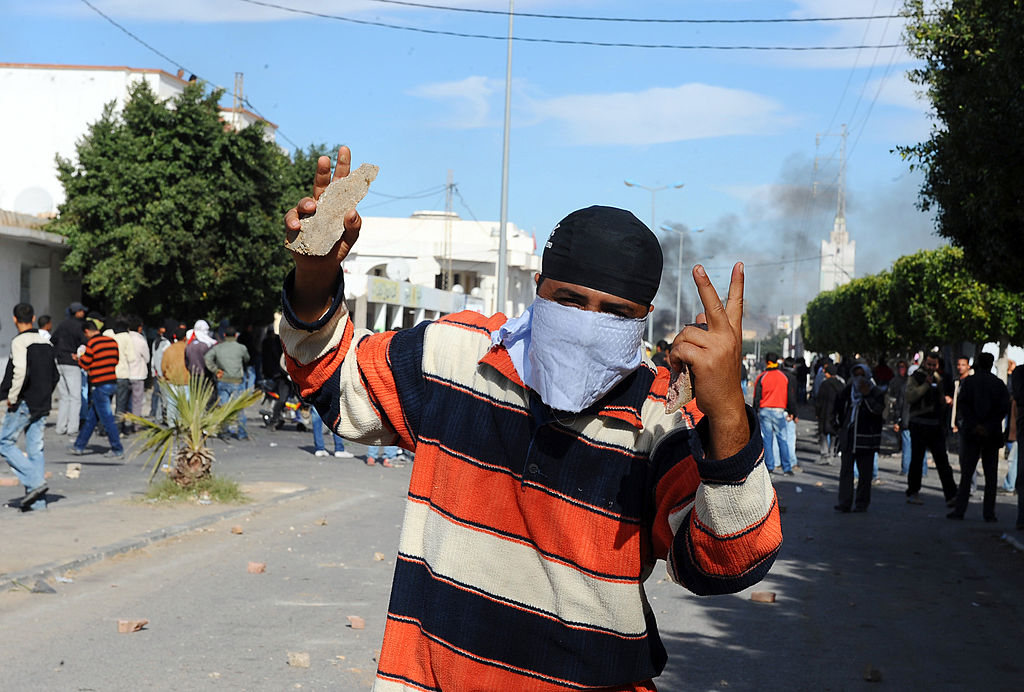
(899, 592)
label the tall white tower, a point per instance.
(838, 253)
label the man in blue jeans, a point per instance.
(774, 401)
(227, 361)
(28, 383)
(99, 360)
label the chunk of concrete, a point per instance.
(763, 596)
(323, 229)
(298, 659)
(129, 626)
(356, 622)
(257, 567)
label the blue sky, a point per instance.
(737, 127)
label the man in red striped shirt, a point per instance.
(549, 473)
(99, 360)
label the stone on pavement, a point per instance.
(257, 567)
(129, 626)
(356, 622)
(298, 659)
(762, 596)
(237, 530)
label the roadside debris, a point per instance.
(257, 567)
(762, 596)
(298, 659)
(129, 626)
(356, 622)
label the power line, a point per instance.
(537, 15)
(177, 64)
(557, 41)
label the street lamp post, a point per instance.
(654, 191)
(679, 272)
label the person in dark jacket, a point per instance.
(983, 404)
(27, 386)
(926, 397)
(859, 409)
(66, 339)
(824, 411)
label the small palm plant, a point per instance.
(198, 418)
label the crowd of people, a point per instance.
(920, 411)
(97, 370)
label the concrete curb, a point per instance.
(7, 581)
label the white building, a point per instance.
(395, 276)
(45, 109)
(30, 260)
(837, 257)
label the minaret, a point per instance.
(838, 252)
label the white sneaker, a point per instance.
(342, 454)
(320, 453)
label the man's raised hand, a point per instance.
(713, 356)
(317, 277)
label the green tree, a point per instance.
(973, 74)
(928, 298)
(170, 212)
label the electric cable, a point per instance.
(177, 64)
(556, 41)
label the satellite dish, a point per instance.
(397, 270)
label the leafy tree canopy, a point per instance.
(973, 74)
(928, 298)
(171, 212)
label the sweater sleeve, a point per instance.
(715, 522)
(366, 387)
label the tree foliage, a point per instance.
(928, 298)
(170, 212)
(973, 74)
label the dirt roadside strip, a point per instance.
(49, 545)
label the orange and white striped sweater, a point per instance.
(527, 539)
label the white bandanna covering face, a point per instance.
(571, 357)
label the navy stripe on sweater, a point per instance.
(496, 631)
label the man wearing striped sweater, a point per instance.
(549, 474)
(99, 360)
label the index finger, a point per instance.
(323, 176)
(713, 308)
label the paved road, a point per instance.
(930, 603)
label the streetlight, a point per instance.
(654, 191)
(679, 269)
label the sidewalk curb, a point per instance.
(7, 581)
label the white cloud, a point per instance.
(662, 114)
(653, 116)
(897, 90)
(469, 100)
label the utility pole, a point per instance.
(238, 98)
(449, 187)
(654, 191)
(502, 268)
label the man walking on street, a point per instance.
(859, 408)
(66, 339)
(983, 405)
(927, 420)
(100, 363)
(227, 361)
(774, 402)
(824, 411)
(28, 384)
